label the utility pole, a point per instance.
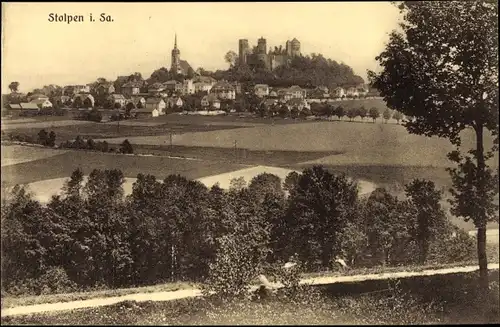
(171, 145)
(235, 151)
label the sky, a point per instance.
(37, 52)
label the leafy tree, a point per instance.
(95, 115)
(362, 112)
(91, 145)
(161, 75)
(317, 212)
(374, 113)
(264, 184)
(441, 70)
(386, 226)
(387, 115)
(126, 147)
(283, 111)
(352, 113)
(77, 102)
(291, 181)
(87, 103)
(430, 217)
(43, 137)
(237, 184)
(14, 87)
(129, 107)
(305, 112)
(51, 141)
(231, 58)
(340, 112)
(398, 116)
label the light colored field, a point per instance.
(137, 123)
(491, 235)
(44, 124)
(224, 180)
(45, 189)
(15, 154)
(360, 143)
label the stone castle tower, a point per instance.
(273, 59)
(176, 58)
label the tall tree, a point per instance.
(14, 87)
(398, 116)
(373, 113)
(387, 115)
(362, 112)
(441, 70)
(430, 217)
(317, 212)
(231, 58)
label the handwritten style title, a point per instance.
(68, 18)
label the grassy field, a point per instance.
(433, 299)
(15, 154)
(353, 143)
(64, 164)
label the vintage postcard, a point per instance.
(244, 163)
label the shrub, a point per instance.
(54, 280)
(454, 246)
(126, 147)
(231, 272)
(94, 115)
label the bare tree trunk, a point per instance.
(481, 219)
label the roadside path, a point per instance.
(174, 295)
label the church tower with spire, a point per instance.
(176, 58)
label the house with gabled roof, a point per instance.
(131, 88)
(210, 101)
(261, 90)
(117, 98)
(156, 103)
(224, 90)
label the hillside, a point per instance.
(305, 71)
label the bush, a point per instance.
(455, 246)
(94, 115)
(231, 272)
(126, 147)
(54, 280)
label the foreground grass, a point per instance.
(10, 301)
(427, 300)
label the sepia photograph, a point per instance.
(250, 163)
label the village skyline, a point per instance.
(203, 42)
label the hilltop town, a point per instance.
(181, 88)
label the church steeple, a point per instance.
(176, 57)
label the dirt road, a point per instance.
(174, 295)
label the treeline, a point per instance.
(326, 110)
(101, 146)
(305, 71)
(49, 140)
(178, 229)
(43, 138)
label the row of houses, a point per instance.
(320, 92)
